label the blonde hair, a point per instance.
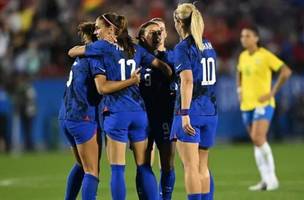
(192, 20)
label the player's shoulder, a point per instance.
(265, 51)
(244, 53)
(182, 44)
(207, 44)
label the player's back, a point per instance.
(80, 99)
(203, 66)
(118, 67)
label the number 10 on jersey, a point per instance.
(208, 66)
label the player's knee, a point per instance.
(191, 167)
(258, 140)
(204, 173)
(91, 169)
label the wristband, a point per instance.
(184, 112)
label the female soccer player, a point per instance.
(79, 122)
(256, 96)
(79, 119)
(126, 117)
(195, 120)
(159, 96)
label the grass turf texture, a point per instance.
(40, 176)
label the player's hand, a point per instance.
(187, 126)
(265, 98)
(110, 38)
(135, 76)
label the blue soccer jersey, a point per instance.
(158, 92)
(156, 88)
(81, 99)
(117, 67)
(203, 67)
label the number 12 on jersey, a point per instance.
(208, 65)
(130, 63)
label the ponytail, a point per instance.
(120, 24)
(193, 22)
(197, 29)
(123, 38)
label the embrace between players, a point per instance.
(143, 94)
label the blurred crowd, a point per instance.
(35, 35)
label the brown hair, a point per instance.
(143, 27)
(120, 24)
(87, 28)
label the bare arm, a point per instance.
(165, 68)
(77, 51)
(106, 87)
(284, 75)
(186, 90)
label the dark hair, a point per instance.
(254, 28)
(87, 28)
(120, 24)
(143, 28)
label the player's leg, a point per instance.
(204, 173)
(167, 176)
(89, 155)
(208, 126)
(262, 150)
(76, 174)
(188, 149)
(116, 151)
(116, 129)
(145, 178)
(189, 155)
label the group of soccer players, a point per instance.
(143, 94)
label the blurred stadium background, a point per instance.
(35, 36)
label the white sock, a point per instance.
(267, 154)
(261, 163)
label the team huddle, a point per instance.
(142, 94)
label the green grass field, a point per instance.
(41, 176)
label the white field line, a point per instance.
(29, 181)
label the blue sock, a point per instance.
(194, 196)
(211, 193)
(89, 187)
(74, 182)
(147, 182)
(166, 184)
(118, 184)
(139, 187)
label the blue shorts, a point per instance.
(126, 126)
(205, 130)
(257, 114)
(78, 132)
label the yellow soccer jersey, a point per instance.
(256, 76)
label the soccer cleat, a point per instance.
(273, 185)
(258, 187)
